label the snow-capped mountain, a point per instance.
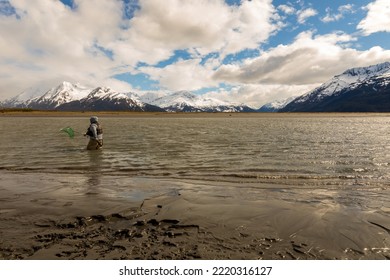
(64, 93)
(185, 101)
(275, 106)
(74, 97)
(147, 97)
(105, 99)
(357, 89)
(20, 100)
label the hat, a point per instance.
(93, 119)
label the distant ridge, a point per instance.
(185, 101)
(363, 89)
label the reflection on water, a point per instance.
(94, 172)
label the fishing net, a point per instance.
(68, 130)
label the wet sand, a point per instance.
(187, 222)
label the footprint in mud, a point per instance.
(117, 235)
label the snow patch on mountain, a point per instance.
(103, 93)
(187, 101)
(26, 95)
(147, 97)
(63, 93)
(276, 105)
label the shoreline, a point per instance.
(43, 113)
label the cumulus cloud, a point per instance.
(377, 19)
(291, 70)
(45, 41)
(183, 75)
(304, 14)
(205, 25)
(308, 60)
(256, 95)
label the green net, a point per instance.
(69, 131)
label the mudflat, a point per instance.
(194, 222)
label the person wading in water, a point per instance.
(95, 133)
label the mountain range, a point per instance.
(363, 89)
(184, 101)
(75, 97)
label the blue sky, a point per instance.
(242, 51)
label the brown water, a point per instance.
(340, 163)
(334, 152)
(329, 153)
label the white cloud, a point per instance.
(287, 9)
(377, 19)
(342, 10)
(304, 14)
(291, 70)
(308, 60)
(348, 8)
(119, 86)
(49, 41)
(183, 75)
(205, 25)
(256, 95)
(331, 17)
